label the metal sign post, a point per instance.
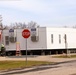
(26, 50)
(26, 34)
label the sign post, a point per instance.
(26, 34)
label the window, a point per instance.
(52, 38)
(7, 40)
(59, 38)
(65, 38)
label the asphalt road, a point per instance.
(62, 68)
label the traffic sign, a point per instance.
(26, 33)
(11, 30)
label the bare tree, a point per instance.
(1, 26)
(32, 24)
(19, 25)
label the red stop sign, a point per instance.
(26, 33)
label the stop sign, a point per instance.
(26, 33)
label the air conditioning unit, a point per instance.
(12, 39)
(35, 38)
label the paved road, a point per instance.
(64, 68)
(68, 68)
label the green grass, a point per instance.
(9, 65)
(65, 56)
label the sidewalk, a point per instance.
(36, 58)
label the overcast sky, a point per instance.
(44, 12)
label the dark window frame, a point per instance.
(52, 38)
(59, 39)
(7, 40)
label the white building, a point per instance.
(43, 40)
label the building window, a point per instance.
(59, 39)
(65, 38)
(7, 40)
(52, 41)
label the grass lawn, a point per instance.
(65, 56)
(9, 65)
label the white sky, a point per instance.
(44, 12)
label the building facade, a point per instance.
(43, 40)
